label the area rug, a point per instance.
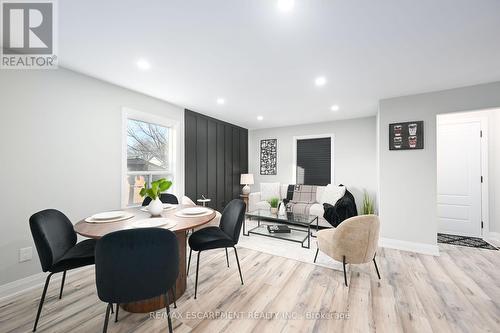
(286, 249)
(465, 241)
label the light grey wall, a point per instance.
(60, 147)
(407, 179)
(354, 153)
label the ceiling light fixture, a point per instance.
(221, 101)
(335, 107)
(260, 118)
(320, 81)
(143, 64)
(286, 5)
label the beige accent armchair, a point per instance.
(354, 241)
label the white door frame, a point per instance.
(483, 119)
(313, 136)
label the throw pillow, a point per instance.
(332, 194)
(269, 191)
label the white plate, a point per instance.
(108, 215)
(165, 207)
(194, 210)
(154, 223)
(126, 216)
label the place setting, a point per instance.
(108, 217)
(194, 212)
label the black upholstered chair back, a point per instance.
(53, 234)
(164, 197)
(232, 219)
(137, 264)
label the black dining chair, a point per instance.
(55, 241)
(164, 197)
(225, 235)
(135, 265)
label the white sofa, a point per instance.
(256, 202)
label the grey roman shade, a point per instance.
(314, 161)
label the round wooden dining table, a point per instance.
(183, 224)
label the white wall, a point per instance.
(60, 147)
(494, 171)
(407, 179)
(354, 153)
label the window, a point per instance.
(149, 154)
(313, 158)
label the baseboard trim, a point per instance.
(494, 236)
(31, 282)
(409, 246)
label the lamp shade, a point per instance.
(246, 179)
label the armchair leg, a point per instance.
(173, 296)
(106, 320)
(168, 313)
(196, 280)
(345, 274)
(227, 258)
(62, 284)
(41, 301)
(238, 262)
(189, 261)
(376, 267)
(316, 256)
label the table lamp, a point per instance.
(246, 179)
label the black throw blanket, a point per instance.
(344, 208)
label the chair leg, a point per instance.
(106, 320)
(41, 301)
(316, 256)
(112, 311)
(345, 274)
(62, 284)
(116, 315)
(227, 258)
(173, 296)
(197, 269)
(376, 267)
(167, 307)
(238, 262)
(189, 261)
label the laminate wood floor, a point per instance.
(458, 291)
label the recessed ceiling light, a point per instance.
(220, 101)
(286, 5)
(320, 81)
(335, 107)
(260, 118)
(143, 64)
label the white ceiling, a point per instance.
(263, 61)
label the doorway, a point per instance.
(462, 167)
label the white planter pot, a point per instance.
(155, 207)
(274, 210)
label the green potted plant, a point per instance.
(274, 202)
(155, 207)
(368, 206)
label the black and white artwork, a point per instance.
(268, 156)
(406, 136)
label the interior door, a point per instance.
(459, 178)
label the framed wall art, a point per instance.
(268, 156)
(406, 136)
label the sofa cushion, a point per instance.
(332, 194)
(316, 209)
(262, 205)
(269, 191)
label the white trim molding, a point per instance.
(409, 246)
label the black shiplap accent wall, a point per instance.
(216, 155)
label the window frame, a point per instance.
(174, 148)
(313, 136)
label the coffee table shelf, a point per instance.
(296, 235)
